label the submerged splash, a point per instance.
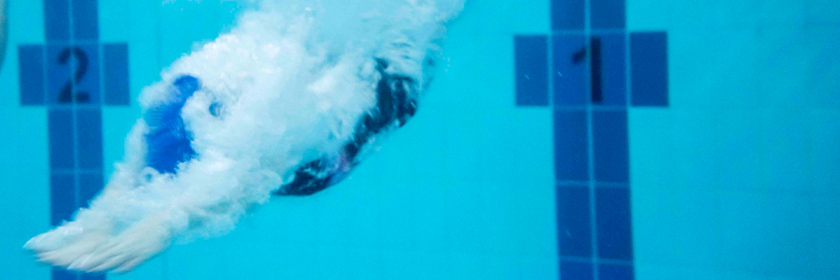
(287, 103)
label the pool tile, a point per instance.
(571, 80)
(573, 221)
(612, 210)
(571, 159)
(607, 14)
(61, 138)
(85, 19)
(62, 197)
(568, 15)
(615, 272)
(89, 135)
(574, 270)
(610, 146)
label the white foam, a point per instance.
(294, 78)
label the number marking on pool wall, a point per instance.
(73, 75)
(590, 70)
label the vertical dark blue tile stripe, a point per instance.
(66, 74)
(607, 14)
(570, 71)
(89, 137)
(571, 161)
(568, 15)
(575, 270)
(61, 139)
(573, 221)
(62, 197)
(57, 20)
(589, 76)
(31, 73)
(90, 184)
(615, 272)
(85, 19)
(649, 68)
(613, 70)
(615, 238)
(115, 74)
(610, 146)
(531, 54)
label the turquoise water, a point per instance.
(737, 178)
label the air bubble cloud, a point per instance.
(287, 85)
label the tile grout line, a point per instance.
(551, 105)
(628, 93)
(593, 219)
(598, 261)
(74, 117)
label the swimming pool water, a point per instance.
(638, 139)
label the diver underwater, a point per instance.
(286, 103)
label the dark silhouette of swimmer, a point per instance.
(395, 105)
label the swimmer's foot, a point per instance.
(93, 249)
(90, 242)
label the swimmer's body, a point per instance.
(287, 103)
(396, 103)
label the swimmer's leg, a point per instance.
(395, 105)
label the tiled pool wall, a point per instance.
(580, 139)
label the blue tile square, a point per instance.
(59, 85)
(609, 70)
(649, 68)
(60, 121)
(31, 69)
(531, 70)
(615, 272)
(571, 156)
(115, 74)
(62, 197)
(571, 80)
(573, 221)
(573, 270)
(88, 77)
(57, 20)
(93, 276)
(90, 184)
(89, 135)
(85, 19)
(73, 74)
(568, 15)
(607, 14)
(610, 146)
(612, 213)
(62, 274)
